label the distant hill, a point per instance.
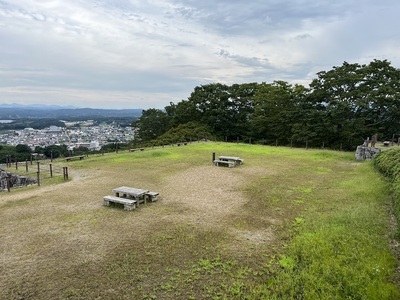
(13, 112)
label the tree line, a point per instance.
(22, 152)
(339, 109)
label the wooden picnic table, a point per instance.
(129, 192)
(236, 160)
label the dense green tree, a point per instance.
(110, 147)
(360, 100)
(21, 148)
(17, 153)
(80, 150)
(5, 152)
(277, 107)
(213, 104)
(241, 108)
(225, 109)
(341, 108)
(56, 151)
(190, 131)
(152, 124)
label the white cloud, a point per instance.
(157, 51)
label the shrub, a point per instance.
(388, 163)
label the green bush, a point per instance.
(190, 131)
(388, 163)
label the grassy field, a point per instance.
(287, 224)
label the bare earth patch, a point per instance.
(62, 225)
(209, 194)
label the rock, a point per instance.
(363, 152)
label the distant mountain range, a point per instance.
(37, 106)
(15, 111)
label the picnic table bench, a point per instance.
(136, 149)
(229, 164)
(152, 196)
(129, 204)
(75, 157)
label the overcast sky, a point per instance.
(147, 53)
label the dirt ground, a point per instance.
(58, 226)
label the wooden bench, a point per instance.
(152, 196)
(225, 163)
(236, 160)
(75, 157)
(239, 161)
(129, 204)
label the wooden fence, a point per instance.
(18, 174)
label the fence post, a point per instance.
(8, 182)
(38, 166)
(51, 170)
(65, 173)
(26, 166)
(38, 177)
(213, 157)
(16, 165)
(291, 143)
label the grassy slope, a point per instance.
(325, 215)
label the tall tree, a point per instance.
(225, 109)
(276, 105)
(151, 124)
(242, 108)
(213, 104)
(360, 100)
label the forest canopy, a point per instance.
(339, 109)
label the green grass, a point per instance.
(340, 251)
(314, 224)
